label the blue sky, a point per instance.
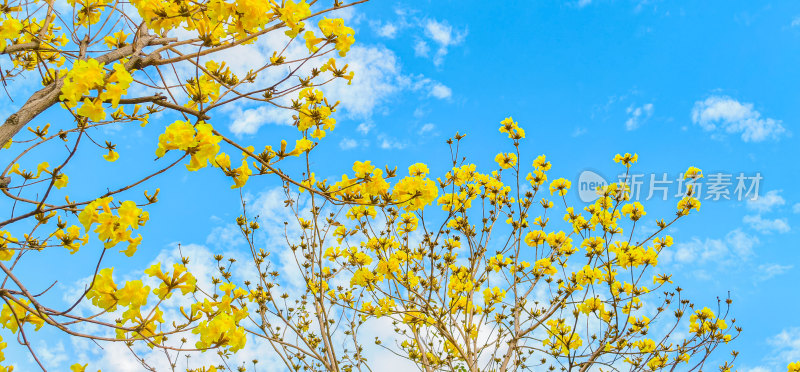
(681, 83)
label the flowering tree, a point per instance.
(467, 269)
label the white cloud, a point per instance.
(51, 356)
(225, 236)
(426, 128)
(378, 77)
(387, 30)
(388, 143)
(796, 208)
(786, 346)
(638, 115)
(758, 369)
(421, 48)
(736, 246)
(766, 225)
(796, 21)
(771, 270)
(434, 34)
(349, 14)
(579, 131)
(700, 251)
(442, 34)
(248, 121)
(441, 91)
(348, 143)
(390, 29)
(365, 127)
(741, 243)
(583, 3)
(434, 88)
(765, 203)
(729, 115)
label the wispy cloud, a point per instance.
(421, 48)
(426, 128)
(443, 35)
(638, 115)
(389, 143)
(579, 131)
(767, 225)
(365, 127)
(767, 202)
(769, 271)
(387, 30)
(735, 247)
(724, 114)
(441, 91)
(348, 144)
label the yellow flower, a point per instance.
(687, 204)
(693, 173)
(626, 159)
(661, 279)
(544, 267)
(61, 181)
(133, 294)
(222, 160)
(103, 291)
(5, 238)
(634, 210)
(493, 296)
(541, 164)
(511, 127)
(92, 109)
(418, 169)
(506, 160)
(561, 185)
(302, 145)
(292, 14)
(112, 155)
(312, 41)
(343, 35)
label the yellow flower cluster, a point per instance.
(5, 252)
(512, 128)
(14, 316)
(415, 191)
(114, 229)
(31, 29)
(506, 160)
(315, 113)
(342, 35)
(87, 75)
(221, 329)
(180, 279)
(198, 140)
(705, 323)
(71, 238)
(293, 15)
(561, 338)
(9, 30)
